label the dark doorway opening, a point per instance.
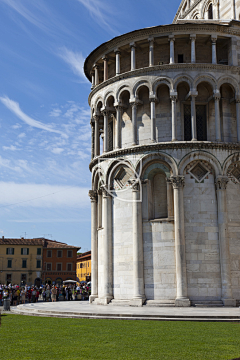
(210, 12)
(180, 58)
(201, 122)
(110, 136)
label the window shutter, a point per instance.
(6, 250)
(13, 251)
(27, 251)
(21, 251)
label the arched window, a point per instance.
(160, 209)
(210, 12)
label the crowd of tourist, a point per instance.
(32, 294)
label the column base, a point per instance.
(229, 302)
(92, 298)
(184, 302)
(105, 300)
(194, 140)
(174, 140)
(138, 302)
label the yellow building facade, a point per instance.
(21, 261)
(83, 267)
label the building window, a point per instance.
(39, 251)
(9, 278)
(24, 251)
(38, 264)
(49, 253)
(59, 267)
(24, 264)
(210, 12)
(88, 264)
(180, 58)
(69, 254)
(59, 253)
(9, 265)
(69, 267)
(49, 266)
(10, 251)
(81, 266)
(24, 277)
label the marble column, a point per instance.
(238, 117)
(134, 123)
(107, 275)
(193, 48)
(170, 199)
(118, 128)
(221, 186)
(151, 51)
(153, 119)
(105, 68)
(105, 126)
(217, 97)
(133, 57)
(94, 246)
(171, 39)
(193, 117)
(181, 273)
(96, 137)
(93, 140)
(93, 79)
(118, 56)
(233, 10)
(96, 68)
(214, 49)
(138, 272)
(99, 219)
(174, 116)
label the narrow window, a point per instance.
(49, 266)
(210, 12)
(9, 263)
(24, 264)
(69, 253)
(24, 251)
(69, 267)
(180, 58)
(38, 264)
(39, 251)
(9, 278)
(10, 251)
(59, 253)
(49, 253)
(59, 267)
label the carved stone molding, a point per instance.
(177, 181)
(135, 184)
(221, 182)
(93, 195)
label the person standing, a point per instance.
(23, 294)
(54, 294)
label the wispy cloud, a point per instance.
(100, 11)
(43, 195)
(75, 60)
(14, 107)
(11, 147)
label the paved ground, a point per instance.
(82, 309)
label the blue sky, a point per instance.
(44, 115)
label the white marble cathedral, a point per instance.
(165, 105)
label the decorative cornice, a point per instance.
(155, 147)
(166, 67)
(162, 30)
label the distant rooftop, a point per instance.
(46, 243)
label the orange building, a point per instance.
(83, 267)
(59, 262)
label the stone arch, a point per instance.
(98, 174)
(107, 96)
(230, 81)
(200, 155)
(121, 162)
(205, 78)
(139, 84)
(98, 100)
(233, 158)
(121, 89)
(205, 6)
(162, 80)
(195, 15)
(182, 78)
(142, 163)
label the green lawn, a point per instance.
(26, 337)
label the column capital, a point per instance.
(95, 66)
(173, 97)
(99, 191)
(171, 38)
(104, 111)
(117, 51)
(135, 184)
(151, 39)
(93, 195)
(237, 98)
(214, 38)
(217, 96)
(193, 93)
(177, 181)
(153, 98)
(193, 36)
(132, 44)
(105, 58)
(221, 182)
(96, 118)
(105, 191)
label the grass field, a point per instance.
(26, 337)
